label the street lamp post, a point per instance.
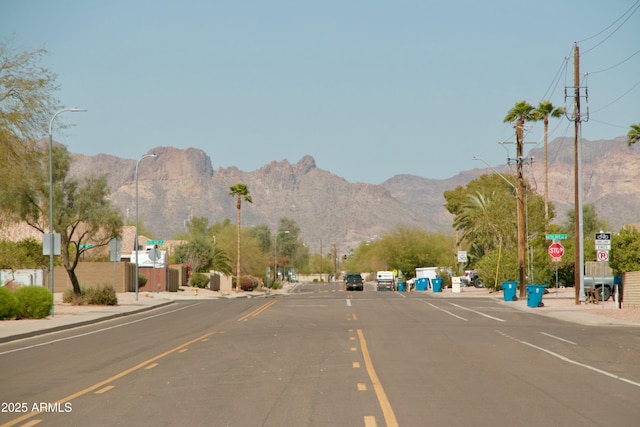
(51, 241)
(275, 255)
(136, 238)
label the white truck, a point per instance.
(385, 281)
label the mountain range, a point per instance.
(181, 183)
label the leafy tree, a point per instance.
(82, 212)
(26, 253)
(239, 191)
(26, 105)
(201, 249)
(625, 251)
(633, 135)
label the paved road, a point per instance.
(324, 357)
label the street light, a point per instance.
(136, 240)
(275, 255)
(71, 110)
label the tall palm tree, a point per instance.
(634, 134)
(544, 110)
(239, 191)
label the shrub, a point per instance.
(35, 301)
(249, 283)
(104, 295)
(142, 280)
(70, 297)
(9, 304)
(199, 280)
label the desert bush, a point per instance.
(71, 297)
(9, 304)
(35, 302)
(249, 283)
(104, 295)
(142, 280)
(199, 280)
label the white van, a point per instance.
(385, 281)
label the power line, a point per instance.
(633, 9)
(614, 66)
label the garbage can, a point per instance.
(534, 295)
(401, 286)
(421, 284)
(436, 284)
(509, 291)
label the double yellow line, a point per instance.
(257, 311)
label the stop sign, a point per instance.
(556, 250)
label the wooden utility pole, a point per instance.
(579, 260)
(520, 206)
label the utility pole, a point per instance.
(335, 262)
(577, 148)
(520, 205)
(520, 208)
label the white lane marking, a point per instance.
(98, 330)
(573, 362)
(348, 303)
(448, 312)
(477, 312)
(558, 338)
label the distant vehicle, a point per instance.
(604, 285)
(385, 281)
(354, 282)
(471, 278)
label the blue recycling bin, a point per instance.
(422, 284)
(401, 286)
(436, 284)
(534, 295)
(509, 291)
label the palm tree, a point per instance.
(239, 191)
(634, 134)
(544, 110)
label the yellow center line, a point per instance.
(257, 311)
(385, 405)
(109, 380)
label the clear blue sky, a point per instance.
(370, 88)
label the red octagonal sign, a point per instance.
(556, 250)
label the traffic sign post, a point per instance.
(556, 250)
(603, 246)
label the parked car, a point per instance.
(471, 278)
(354, 282)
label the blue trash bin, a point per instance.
(436, 284)
(509, 290)
(401, 287)
(534, 295)
(422, 283)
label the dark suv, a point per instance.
(354, 282)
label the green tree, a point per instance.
(625, 251)
(26, 105)
(82, 212)
(633, 135)
(26, 253)
(239, 191)
(545, 110)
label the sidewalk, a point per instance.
(560, 305)
(66, 316)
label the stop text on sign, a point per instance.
(556, 250)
